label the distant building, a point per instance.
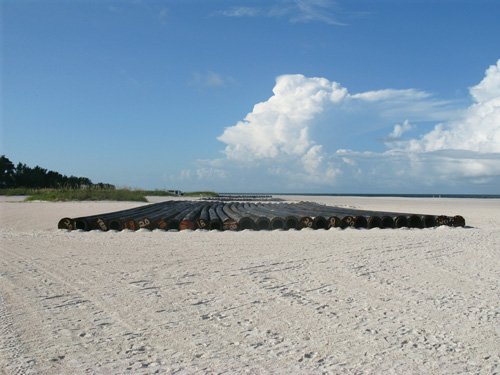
(176, 192)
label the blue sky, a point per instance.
(265, 96)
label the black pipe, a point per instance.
(348, 221)
(101, 221)
(244, 220)
(215, 223)
(189, 221)
(320, 222)
(276, 220)
(133, 220)
(387, 222)
(458, 221)
(291, 222)
(66, 223)
(360, 222)
(234, 216)
(374, 222)
(203, 220)
(429, 221)
(227, 222)
(261, 222)
(233, 213)
(400, 221)
(334, 222)
(414, 221)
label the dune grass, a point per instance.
(92, 194)
(87, 195)
(17, 191)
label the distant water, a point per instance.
(482, 196)
(477, 196)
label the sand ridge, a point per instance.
(336, 301)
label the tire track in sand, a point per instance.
(72, 320)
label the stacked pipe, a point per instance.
(216, 215)
(242, 197)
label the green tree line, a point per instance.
(23, 176)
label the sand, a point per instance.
(400, 301)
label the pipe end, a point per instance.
(66, 223)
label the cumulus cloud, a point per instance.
(280, 125)
(478, 130)
(399, 130)
(280, 136)
(278, 130)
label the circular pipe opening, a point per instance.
(263, 223)
(246, 223)
(65, 223)
(230, 224)
(320, 223)
(458, 221)
(173, 225)
(401, 221)
(374, 222)
(277, 223)
(161, 224)
(387, 222)
(360, 222)
(291, 222)
(215, 224)
(334, 222)
(429, 221)
(414, 221)
(442, 220)
(347, 221)
(115, 225)
(186, 224)
(306, 222)
(201, 223)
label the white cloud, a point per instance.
(400, 129)
(391, 95)
(280, 125)
(315, 10)
(489, 87)
(276, 137)
(240, 12)
(312, 158)
(210, 173)
(209, 79)
(478, 130)
(279, 128)
(296, 11)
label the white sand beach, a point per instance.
(391, 301)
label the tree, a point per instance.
(23, 176)
(6, 172)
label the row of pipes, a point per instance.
(182, 215)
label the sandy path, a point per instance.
(352, 301)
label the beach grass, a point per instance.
(17, 191)
(93, 194)
(86, 195)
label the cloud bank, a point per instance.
(461, 149)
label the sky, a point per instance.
(310, 96)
